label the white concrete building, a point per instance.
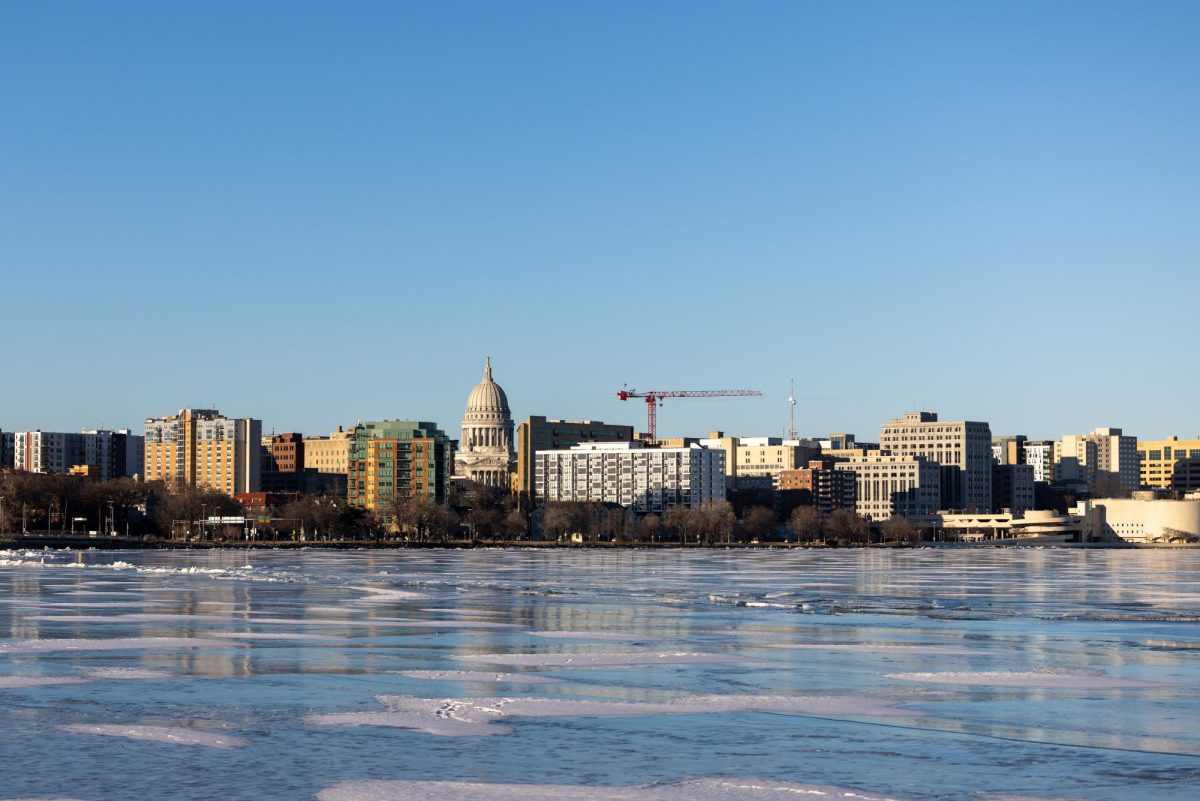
(1040, 456)
(1149, 521)
(894, 485)
(626, 473)
(963, 449)
(110, 453)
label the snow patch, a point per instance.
(21, 682)
(477, 716)
(598, 660)
(694, 790)
(477, 675)
(1046, 678)
(116, 644)
(176, 735)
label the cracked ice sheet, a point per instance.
(177, 735)
(1038, 679)
(600, 660)
(694, 790)
(450, 717)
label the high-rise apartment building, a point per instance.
(6, 450)
(539, 434)
(629, 474)
(1105, 457)
(392, 459)
(1040, 456)
(820, 485)
(201, 448)
(1012, 488)
(962, 448)
(888, 484)
(1170, 463)
(105, 454)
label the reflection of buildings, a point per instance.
(626, 473)
(1170, 463)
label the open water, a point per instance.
(624, 675)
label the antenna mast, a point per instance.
(792, 409)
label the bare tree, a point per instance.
(899, 529)
(806, 523)
(847, 527)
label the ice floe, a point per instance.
(1046, 678)
(21, 682)
(477, 675)
(127, 674)
(176, 735)
(115, 644)
(476, 716)
(694, 790)
(598, 660)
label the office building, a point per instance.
(329, 454)
(632, 475)
(962, 448)
(6, 450)
(1170, 463)
(888, 484)
(538, 434)
(394, 459)
(1012, 488)
(202, 448)
(1105, 460)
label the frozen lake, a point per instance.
(631, 675)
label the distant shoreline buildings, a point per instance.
(949, 474)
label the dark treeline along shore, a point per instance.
(61, 510)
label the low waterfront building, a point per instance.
(538, 434)
(1035, 527)
(632, 475)
(887, 484)
(392, 459)
(1149, 521)
(202, 448)
(1170, 463)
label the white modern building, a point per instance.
(110, 453)
(629, 474)
(962, 448)
(1040, 456)
(1149, 521)
(894, 485)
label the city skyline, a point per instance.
(314, 217)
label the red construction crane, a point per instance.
(655, 397)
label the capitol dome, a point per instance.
(485, 452)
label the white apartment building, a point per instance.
(626, 473)
(1040, 456)
(962, 448)
(110, 453)
(894, 485)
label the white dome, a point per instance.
(487, 396)
(485, 452)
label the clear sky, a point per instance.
(320, 213)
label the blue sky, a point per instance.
(320, 213)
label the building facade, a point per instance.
(1170, 463)
(106, 454)
(6, 450)
(629, 474)
(486, 454)
(1012, 488)
(820, 485)
(538, 434)
(1105, 460)
(1040, 456)
(962, 448)
(329, 454)
(1151, 520)
(395, 459)
(887, 484)
(202, 448)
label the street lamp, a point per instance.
(203, 518)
